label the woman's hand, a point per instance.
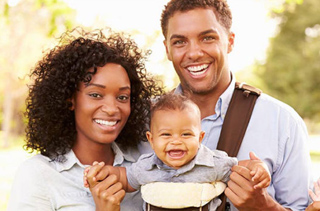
(108, 192)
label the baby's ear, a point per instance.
(201, 135)
(149, 137)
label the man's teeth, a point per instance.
(104, 122)
(197, 70)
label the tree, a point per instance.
(25, 27)
(292, 68)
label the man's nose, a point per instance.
(194, 50)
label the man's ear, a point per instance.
(150, 139)
(230, 41)
(201, 136)
(167, 50)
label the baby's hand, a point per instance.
(260, 173)
(90, 174)
(316, 194)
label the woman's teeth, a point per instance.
(104, 122)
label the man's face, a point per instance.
(197, 44)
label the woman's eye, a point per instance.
(123, 98)
(95, 95)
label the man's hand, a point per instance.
(241, 189)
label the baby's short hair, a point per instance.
(171, 101)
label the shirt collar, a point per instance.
(204, 157)
(223, 101)
(68, 160)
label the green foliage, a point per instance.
(292, 69)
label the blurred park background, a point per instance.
(277, 49)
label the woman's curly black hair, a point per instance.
(51, 124)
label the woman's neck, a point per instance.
(88, 153)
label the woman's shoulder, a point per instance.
(35, 164)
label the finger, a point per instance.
(241, 183)
(103, 173)
(258, 174)
(243, 171)
(93, 172)
(104, 188)
(262, 184)
(312, 195)
(253, 156)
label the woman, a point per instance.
(89, 102)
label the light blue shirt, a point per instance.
(46, 185)
(278, 136)
(207, 166)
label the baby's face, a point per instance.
(175, 136)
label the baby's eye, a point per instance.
(186, 134)
(165, 134)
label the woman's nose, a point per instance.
(110, 107)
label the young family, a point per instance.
(89, 106)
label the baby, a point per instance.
(175, 136)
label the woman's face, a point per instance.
(102, 106)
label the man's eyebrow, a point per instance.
(209, 31)
(178, 36)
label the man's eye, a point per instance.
(208, 38)
(178, 42)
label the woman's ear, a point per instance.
(71, 101)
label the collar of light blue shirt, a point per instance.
(223, 101)
(204, 157)
(70, 159)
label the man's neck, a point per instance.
(206, 103)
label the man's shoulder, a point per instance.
(268, 104)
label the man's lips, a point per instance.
(197, 70)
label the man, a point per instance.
(198, 40)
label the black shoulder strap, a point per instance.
(236, 121)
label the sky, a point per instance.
(251, 24)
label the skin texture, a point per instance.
(101, 109)
(88, 91)
(315, 196)
(175, 136)
(196, 40)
